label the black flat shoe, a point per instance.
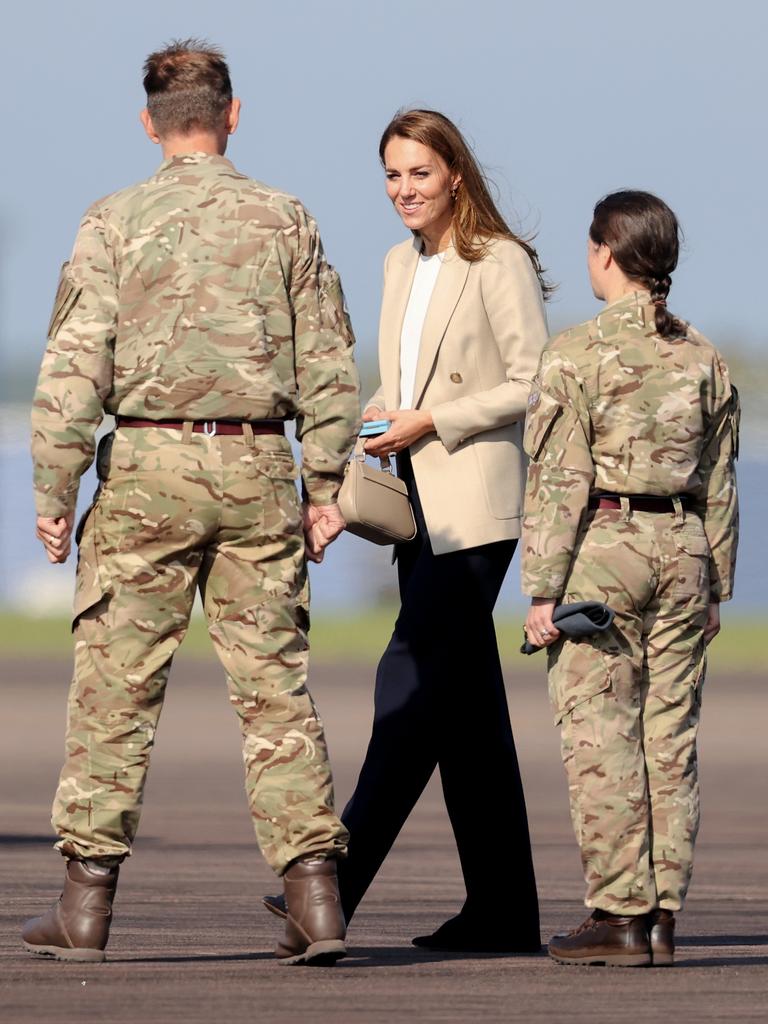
(458, 935)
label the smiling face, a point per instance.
(419, 184)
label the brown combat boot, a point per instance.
(77, 926)
(604, 939)
(661, 930)
(314, 926)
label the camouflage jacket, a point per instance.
(617, 408)
(198, 294)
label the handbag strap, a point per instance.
(359, 453)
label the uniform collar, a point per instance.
(632, 300)
(212, 160)
(629, 307)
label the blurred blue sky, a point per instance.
(563, 102)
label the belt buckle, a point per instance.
(210, 428)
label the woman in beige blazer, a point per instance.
(459, 342)
(462, 328)
(480, 346)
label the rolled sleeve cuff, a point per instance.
(538, 578)
(721, 587)
(318, 490)
(540, 591)
(53, 506)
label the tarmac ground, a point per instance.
(190, 941)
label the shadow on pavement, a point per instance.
(22, 839)
(400, 956)
(189, 958)
(17, 839)
(722, 940)
(359, 956)
(724, 961)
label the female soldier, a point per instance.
(631, 500)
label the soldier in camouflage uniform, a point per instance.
(198, 308)
(631, 500)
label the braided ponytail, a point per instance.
(666, 325)
(644, 238)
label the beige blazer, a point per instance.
(483, 334)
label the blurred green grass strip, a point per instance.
(361, 638)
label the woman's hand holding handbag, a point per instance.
(375, 502)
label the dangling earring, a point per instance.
(454, 190)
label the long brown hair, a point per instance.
(476, 219)
(643, 235)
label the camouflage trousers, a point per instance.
(176, 512)
(628, 704)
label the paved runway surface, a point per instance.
(191, 943)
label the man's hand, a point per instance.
(712, 625)
(539, 628)
(56, 535)
(408, 425)
(322, 525)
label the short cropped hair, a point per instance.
(188, 87)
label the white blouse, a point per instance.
(415, 313)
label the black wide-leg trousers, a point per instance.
(440, 700)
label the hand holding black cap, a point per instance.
(582, 618)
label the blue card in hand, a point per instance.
(375, 427)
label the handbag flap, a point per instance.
(382, 478)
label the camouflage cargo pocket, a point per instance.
(693, 556)
(276, 465)
(577, 672)
(274, 474)
(90, 585)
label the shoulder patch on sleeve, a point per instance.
(66, 296)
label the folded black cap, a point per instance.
(582, 618)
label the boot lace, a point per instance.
(588, 923)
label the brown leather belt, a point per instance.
(638, 502)
(209, 427)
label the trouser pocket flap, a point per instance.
(693, 544)
(90, 587)
(578, 671)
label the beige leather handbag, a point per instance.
(375, 502)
